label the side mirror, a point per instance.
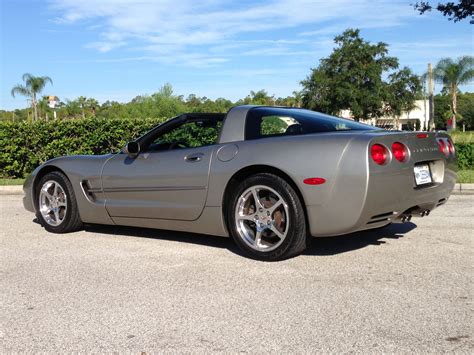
(132, 149)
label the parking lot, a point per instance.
(403, 288)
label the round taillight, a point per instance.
(379, 154)
(451, 147)
(399, 151)
(442, 147)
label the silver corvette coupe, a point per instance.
(270, 177)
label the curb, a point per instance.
(459, 189)
(463, 189)
(11, 190)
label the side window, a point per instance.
(189, 135)
(277, 125)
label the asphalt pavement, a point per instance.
(404, 288)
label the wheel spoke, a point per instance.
(47, 211)
(258, 204)
(275, 206)
(246, 217)
(46, 193)
(55, 191)
(277, 232)
(258, 238)
(56, 215)
(62, 204)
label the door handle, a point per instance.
(192, 158)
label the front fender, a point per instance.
(81, 170)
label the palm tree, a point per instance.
(92, 104)
(43, 107)
(452, 74)
(33, 86)
(82, 102)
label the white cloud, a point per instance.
(207, 32)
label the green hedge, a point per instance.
(25, 145)
(465, 154)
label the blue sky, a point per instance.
(117, 49)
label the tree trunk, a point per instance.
(454, 104)
(35, 109)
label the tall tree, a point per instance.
(32, 87)
(452, 74)
(455, 11)
(351, 78)
(403, 90)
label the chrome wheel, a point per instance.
(262, 218)
(52, 203)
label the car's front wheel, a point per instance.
(266, 218)
(56, 206)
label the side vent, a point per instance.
(87, 190)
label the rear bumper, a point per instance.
(398, 202)
(389, 197)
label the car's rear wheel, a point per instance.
(266, 218)
(56, 206)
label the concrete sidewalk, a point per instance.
(459, 189)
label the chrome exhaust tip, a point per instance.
(405, 218)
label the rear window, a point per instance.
(270, 122)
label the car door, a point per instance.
(163, 184)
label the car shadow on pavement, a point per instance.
(318, 246)
(357, 240)
(175, 236)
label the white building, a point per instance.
(416, 118)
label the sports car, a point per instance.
(270, 177)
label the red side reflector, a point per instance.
(422, 135)
(314, 181)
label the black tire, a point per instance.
(295, 241)
(71, 220)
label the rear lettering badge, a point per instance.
(421, 150)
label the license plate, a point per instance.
(422, 174)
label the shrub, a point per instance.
(464, 153)
(25, 145)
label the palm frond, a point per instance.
(466, 77)
(443, 64)
(21, 90)
(47, 79)
(27, 76)
(466, 62)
